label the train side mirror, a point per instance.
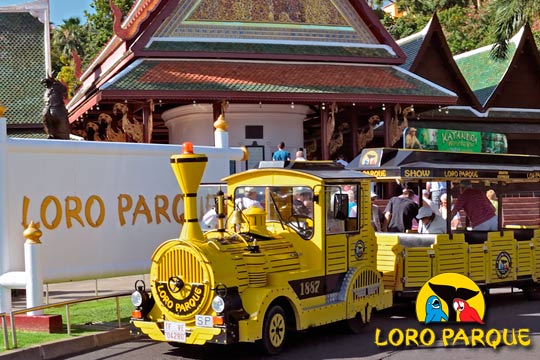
(341, 206)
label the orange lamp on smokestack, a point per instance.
(188, 169)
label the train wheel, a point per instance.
(356, 325)
(274, 330)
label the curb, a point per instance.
(60, 348)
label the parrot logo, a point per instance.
(450, 297)
(434, 311)
(466, 313)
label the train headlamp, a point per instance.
(139, 296)
(218, 304)
(136, 298)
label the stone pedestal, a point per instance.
(42, 323)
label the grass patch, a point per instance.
(85, 318)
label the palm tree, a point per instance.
(510, 16)
(69, 37)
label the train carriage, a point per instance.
(508, 257)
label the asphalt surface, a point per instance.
(107, 334)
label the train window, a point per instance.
(341, 208)
(292, 205)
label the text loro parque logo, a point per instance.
(450, 300)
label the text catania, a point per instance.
(92, 211)
(450, 337)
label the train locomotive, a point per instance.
(304, 257)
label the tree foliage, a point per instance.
(86, 39)
(100, 24)
(428, 7)
(509, 16)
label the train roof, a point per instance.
(390, 163)
(320, 170)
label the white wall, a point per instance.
(79, 192)
(280, 123)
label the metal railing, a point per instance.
(67, 304)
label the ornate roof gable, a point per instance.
(335, 30)
(519, 87)
(429, 56)
(482, 72)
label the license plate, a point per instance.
(175, 331)
(204, 321)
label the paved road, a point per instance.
(504, 310)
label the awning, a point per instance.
(411, 165)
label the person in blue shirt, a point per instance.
(281, 154)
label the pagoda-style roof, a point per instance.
(429, 56)
(243, 80)
(493, 95)
(22, 54)
(504, 84)
(252, 50)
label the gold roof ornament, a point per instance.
(2, 110)
(221, 124)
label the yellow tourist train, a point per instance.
(294, 248)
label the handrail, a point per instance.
(66, 303)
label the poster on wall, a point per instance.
(454, 140)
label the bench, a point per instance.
(521, 211)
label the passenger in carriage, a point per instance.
(400, 212)
(430, 223)
(455, 223)
(479, 209)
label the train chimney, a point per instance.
(189, 169)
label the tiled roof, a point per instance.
(483, 73)
(282, 49)
(22, 67)
(277, 78)
(32, 134)
(411, 45)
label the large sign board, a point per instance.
(454, 140)
(103, 208)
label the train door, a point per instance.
(341, 218)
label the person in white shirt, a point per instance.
(456, 221)
(429, 222)
(249, 199)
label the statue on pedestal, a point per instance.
(55, 115)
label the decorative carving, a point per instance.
(132, 27)
(397, 126)
(366, 134)
(78, 64)
(55, 115)
(330, 123)
(131, 127)
(113, 132)
(311, 149)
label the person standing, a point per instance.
(281, 154)
(479, 209)
(436, 189)
(400, 212)
(300, 156)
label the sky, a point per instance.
(60, 9)
(64, 9)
